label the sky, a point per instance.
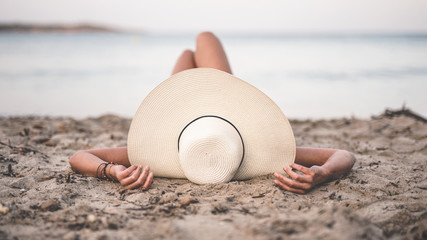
(227, 16)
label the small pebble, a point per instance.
(50, 143)
(3, 209)
(40, 139)
(91, 218)
(187, 200)
(49, 205)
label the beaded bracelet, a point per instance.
(109, 170)
(103, 171)
(97, 170)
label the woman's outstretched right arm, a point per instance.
(93, 162)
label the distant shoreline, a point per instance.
(56, 28)
(98, 28)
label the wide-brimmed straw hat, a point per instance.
(209, 126)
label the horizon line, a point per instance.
(110, 28)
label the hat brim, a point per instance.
(167, 109)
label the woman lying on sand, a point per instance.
(316, 165)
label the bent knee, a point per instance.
(206, 36)
(187, 53)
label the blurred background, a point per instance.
(315, 59)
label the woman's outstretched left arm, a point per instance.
(317, 166)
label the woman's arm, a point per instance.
(317, 166)
(92, 162)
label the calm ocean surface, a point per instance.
(316, 77)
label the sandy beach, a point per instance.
(383, 197)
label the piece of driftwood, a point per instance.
(403, 112)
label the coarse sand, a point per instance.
(383, 197)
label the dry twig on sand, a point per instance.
(23, 150)
(405, 112)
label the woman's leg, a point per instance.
(210, 53)
(184, 62)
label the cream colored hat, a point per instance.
(210, 127)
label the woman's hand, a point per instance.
(133, 176)
(310, 178)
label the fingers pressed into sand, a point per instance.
(297, 177)
(302, 169)
(132, 177)
(287, 188)
(124, 174)
(292, 183)
(148, 182)
(141, 179)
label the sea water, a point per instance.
(308, 76)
